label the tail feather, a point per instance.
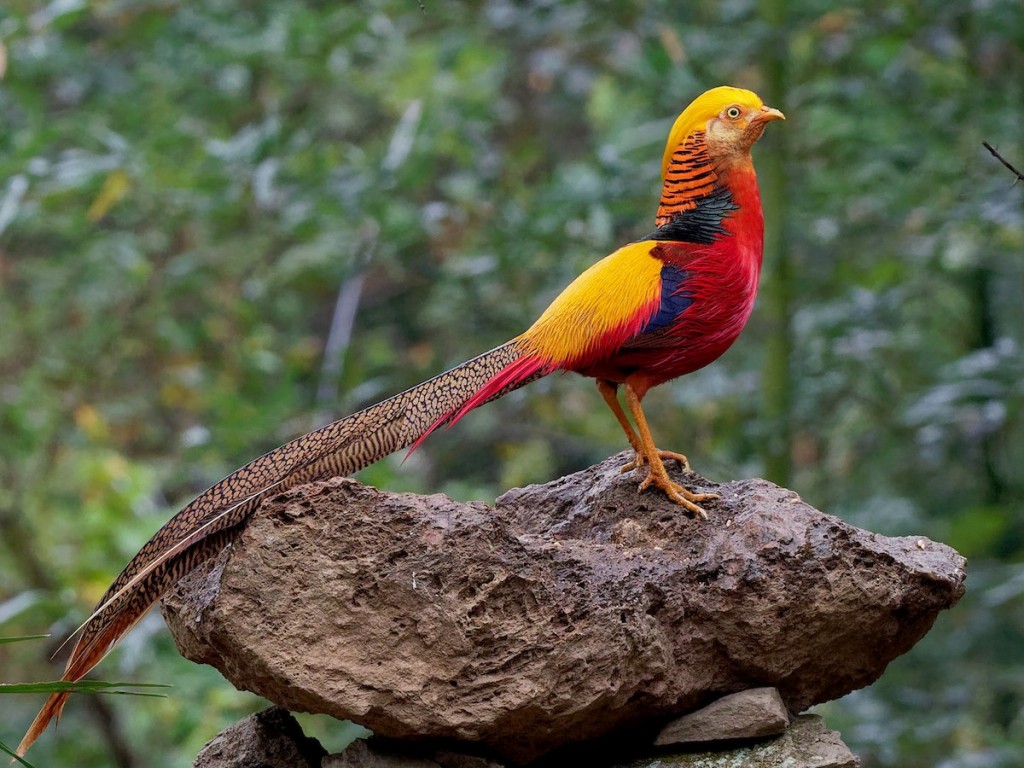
(211, 521)
(517, 373)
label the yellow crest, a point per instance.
(706, 106)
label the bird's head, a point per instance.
(732, 120)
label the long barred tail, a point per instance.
(204, 527)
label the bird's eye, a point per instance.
(733, 113)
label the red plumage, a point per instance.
(721, 282)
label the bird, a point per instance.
(663, 306)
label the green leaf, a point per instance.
(9, 751)
(21, 638)
(81, 686)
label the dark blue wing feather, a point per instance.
(674, 299)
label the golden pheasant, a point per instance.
(653, 310)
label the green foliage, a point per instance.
(61, 686)
(82, 686)
(14, 757)
(186, 190)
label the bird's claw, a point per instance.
(673, 456)
(639, 460)
(636, 462)
(679, 494)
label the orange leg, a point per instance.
(609, 391)
(657, 476)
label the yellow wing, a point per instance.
(599, 310)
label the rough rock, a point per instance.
(372, 754)
(568, 612)
(751, 714)
(261, 741)
(807, 743)
(268, 739)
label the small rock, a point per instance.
(807, 743)
(359, 754)
(268, 739)
(749, 714)
(373, 754)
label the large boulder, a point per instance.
(567, 612)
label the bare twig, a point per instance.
(405, 134)
(1001, 159)
(350, 290)
(345, 307)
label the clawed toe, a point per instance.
(679, 494)
(702, 496)
(629, 466)
(682, 501)
(639, 460)
(673, 456)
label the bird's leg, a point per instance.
(609, 391)
(657, 476)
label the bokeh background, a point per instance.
(223, 223)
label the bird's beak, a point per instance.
(767, 114)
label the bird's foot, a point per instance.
(640, 459)
(677, 493)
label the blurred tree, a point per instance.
(778, 283)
